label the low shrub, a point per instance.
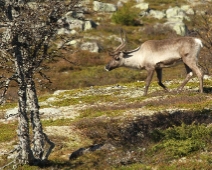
(126, 15)
(180, 141)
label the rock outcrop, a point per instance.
(173, 17)
(103, 7)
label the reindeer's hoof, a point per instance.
(179, 90)
(167, 90)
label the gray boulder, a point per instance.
(175, 17)
(179, 27)
(175, 14)
(90, 46)
(157, 14)
(103, 7)
(89, 25)
(72, 43)
(187, 9)
(142, 6)
(63, 31)
(72, 22)
(11, 114)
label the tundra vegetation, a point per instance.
(109, 124)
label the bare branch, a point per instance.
(44, 76)
(5, 84)
(17, 149)
(52, 145)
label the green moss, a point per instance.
(57, 122)
(8, 106)
(43, 98)
(27, 167)
(65, 102)
(8, 132)
(149, 20)
(96, 112)
(135, 166)
(85, 99)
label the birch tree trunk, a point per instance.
(38, 136)
(25, 155)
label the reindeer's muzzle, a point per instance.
(107, 68)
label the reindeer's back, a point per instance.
(168, 49)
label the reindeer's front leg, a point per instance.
(159, 76)
(148, 80)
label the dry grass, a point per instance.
(164, 4)
(131, 135)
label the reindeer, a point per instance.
(154, 55)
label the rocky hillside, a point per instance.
(116, 127)
(101, 121)
(93, 14)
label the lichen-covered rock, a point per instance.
(103, 7)
(89, 25)
(157, 14)
(179, 27)
(187, 9)
(142, 6)
(63, 31)
(90, 46)
(175, 14)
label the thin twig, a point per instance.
(17, 149)
(8, 164)
(52, 145)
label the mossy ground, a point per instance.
(178, 134)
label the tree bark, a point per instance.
(25, 155)
(38, 136)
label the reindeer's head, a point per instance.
(117, 56)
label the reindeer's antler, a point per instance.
(121, 46)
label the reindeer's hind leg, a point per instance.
(193, 66)
(200, 77)
(159, 76)
(188, 77)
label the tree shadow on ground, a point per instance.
(207, 89)
(130, 134)
(139, 130)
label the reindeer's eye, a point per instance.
(117, 58)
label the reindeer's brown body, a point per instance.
(153, 55)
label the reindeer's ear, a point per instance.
(125, 51)
(117, 57)
(110, 52)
